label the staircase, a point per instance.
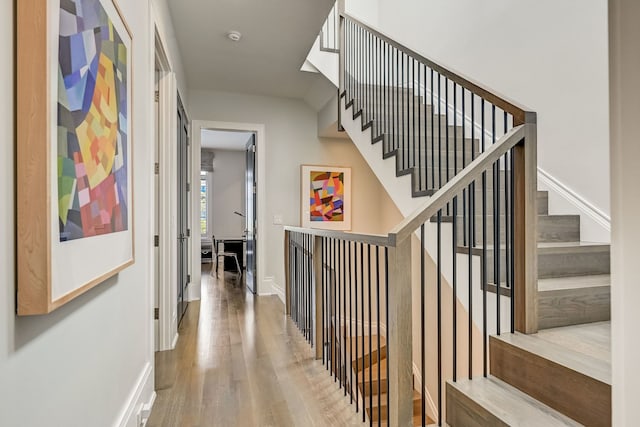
(558, 376)
(370, 373)
(536, 378)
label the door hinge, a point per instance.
(156, 314)
(188, 232)
(156, 241)
(253, 148)
(157, 96)
(188, 186)
(188, 278)
(156, 168)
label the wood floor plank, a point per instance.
(240, 361)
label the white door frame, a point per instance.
(197, 126)
(167, 203)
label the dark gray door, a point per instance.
(251, 217)
(183, 210)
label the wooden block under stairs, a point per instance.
(568, 369)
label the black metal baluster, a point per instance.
(355, 285)
(433, 132)
(344, 316)
(379, 324)
(412, 108)
(439, 312)
(370, 341)
(465, 194)
(484, 249)
(421, 152)
(422, 328)
(439, 136)
(336, 313)
(455, 130)
(446, 130)
(386, 303)
(362, 368)
(404, 131)
(512, 252)
(350, 363)
(455, 289)
(332, 296)
(496, 220)
(470, 269)
(324, 302)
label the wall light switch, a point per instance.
(277, 219)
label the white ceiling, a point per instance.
(276, 38)
(224, 140)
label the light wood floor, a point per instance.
(241, 362)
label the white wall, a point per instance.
(365, 10)
(550, 55)
(625, 207)
(90, 362)
(291, 135)
(227, 193)
(162, 16)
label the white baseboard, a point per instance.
(268, 287)
(279, 291)
(174, 343)
(595, 225)
(417, 385)
(142, 396)
(193, 292)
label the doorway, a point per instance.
(251, 217)
(183, 230)
(228, 161)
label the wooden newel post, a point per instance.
(525, 233)
(317, 282)
(400, 335)
(287, 272)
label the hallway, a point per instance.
(241, 362)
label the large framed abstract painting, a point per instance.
(326, 197)
(74, 136)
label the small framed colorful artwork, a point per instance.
(326, 197)
(74, 105)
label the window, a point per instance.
(203, 203)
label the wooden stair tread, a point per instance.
(374, 345)
(574, 282)
(363, 376)
(506, 403)
(580, 362)
(417, 421)
(593, 339)
(383, 399)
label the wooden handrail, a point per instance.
(456, 185)
(369, 239)
(520, 113)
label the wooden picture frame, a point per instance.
(325, 197)
(74, 149)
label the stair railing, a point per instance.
(467, 257)
(329, 36)
(433, 120)
(343, 287)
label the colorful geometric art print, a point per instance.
(92, 123)
(326, 202)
